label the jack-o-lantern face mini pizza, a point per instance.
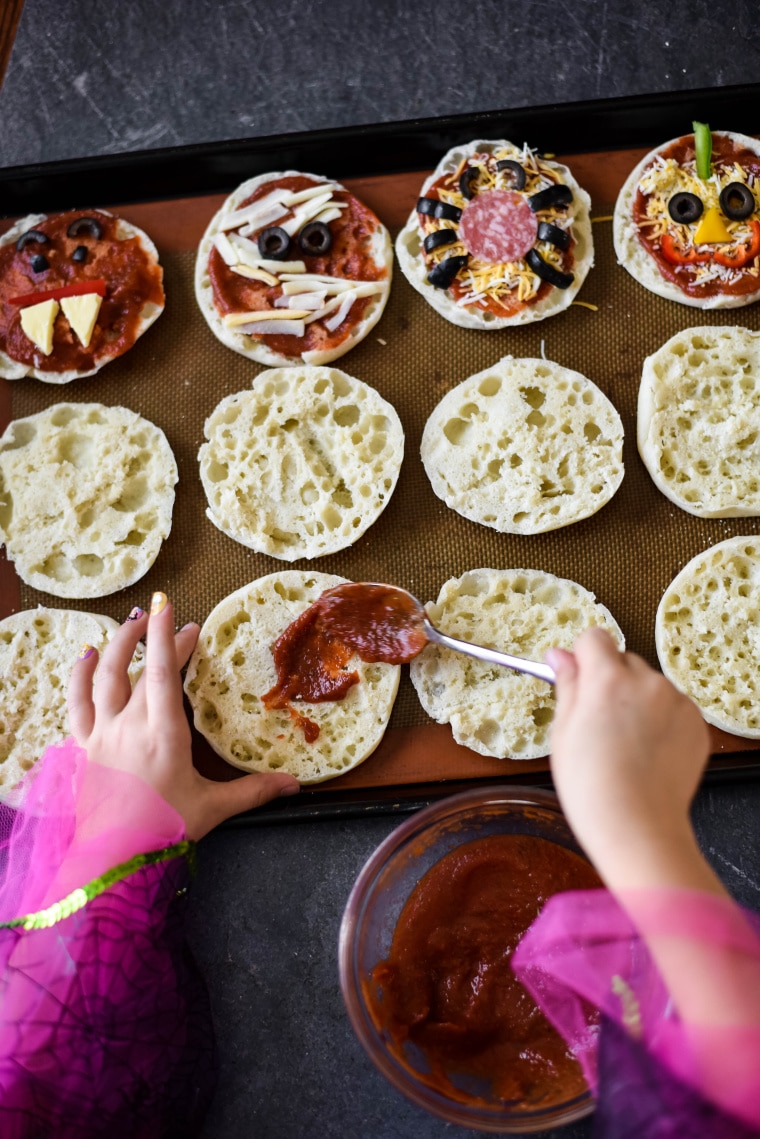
(499, 236)
(687, 221)
(293, 269)
(77, 289)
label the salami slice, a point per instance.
(498, 225)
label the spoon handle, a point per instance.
(491, 656)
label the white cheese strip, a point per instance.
(37, 323)
(226, 252)
(305, 212)
(255, 274)
(236, 218)
(312, 284)
(81, 313)
(248, 252)
(260, 221)
(281, 328)
(302, 300)
(345, 307)
(293, 199)
(233, 319)
(368, 289)
(331, 214)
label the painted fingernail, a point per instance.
(136, 614)
(85, 652)
(158, 603)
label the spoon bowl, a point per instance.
(387, 623)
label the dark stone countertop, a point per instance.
(90, 79)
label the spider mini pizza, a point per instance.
(499, 236)
(687, 221)
(77, 289)
(293, 269)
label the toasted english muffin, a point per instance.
(335, 297)
(38, 649)
(699, 421)
(232, 667)
(674, 257)
(493, 710)
(302, 464)
(86, 497)
(524, 447)
(492, 262)
(71, 337)
(707, 634)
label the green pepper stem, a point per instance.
(703, 148)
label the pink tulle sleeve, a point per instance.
(104, 1020)
(588, 951)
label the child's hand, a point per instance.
(145, 731)
(628, 750)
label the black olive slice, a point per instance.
(685, 207)
(85, 225)
(557, 195)
(466, 178)
(80, 253)
(442, 274)
(553, 234)
(315, 239)
(274, 243)
(547, 272)
(39, 263)
(435, 208)
(438, 238)
(515, 169)
(737, 201)
(32, 235)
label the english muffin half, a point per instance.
(524, 447)
(491, 709)
(232, 667)
(707, 633)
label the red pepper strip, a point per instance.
(80, 289)
(675, 256)
(744, 253)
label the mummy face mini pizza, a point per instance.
(687, 221)
(499, 236)
(77, 289)
(293, 269)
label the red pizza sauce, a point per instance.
(509, 303)
(724, 153)
(349, 257)
(447, 985)
(374, 622)
(133, 279)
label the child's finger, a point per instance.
(162, 687)
(112, 686)
(79, 696)
(245, 794)
(184, 642)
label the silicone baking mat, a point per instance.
(626, 554)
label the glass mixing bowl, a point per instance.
(368, 925)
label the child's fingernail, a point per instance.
(290, 789)
(85, 652)
(136, 614)
(189, 625)
(158, 603)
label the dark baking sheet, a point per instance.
(381, 151)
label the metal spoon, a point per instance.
(381, 621)
(490, 656)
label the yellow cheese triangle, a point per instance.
(711, 228)
(81, 313)
(37, 322)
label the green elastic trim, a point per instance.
(79, 898)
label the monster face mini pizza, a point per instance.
(77, 289)
(293, 269)
(499, 236)
(687, 221)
